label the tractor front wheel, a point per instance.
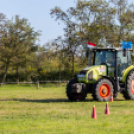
(74, 93)
(102, 90)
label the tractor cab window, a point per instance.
(125, 61)
(105, 57)
(98, 58)
(129, 58)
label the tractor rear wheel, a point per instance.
(72, 92)
(102, 90)
(125, 95)
(129, 93)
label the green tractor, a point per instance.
(109, 72)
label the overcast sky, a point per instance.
(38, 14)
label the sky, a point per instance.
(38, 14)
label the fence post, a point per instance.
(37, 84)
(60, 83)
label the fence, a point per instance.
(38, 82)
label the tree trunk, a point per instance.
(72, 64)
(18, 75)
(60, 73)
(4, 77)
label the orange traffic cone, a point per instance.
(111, 98)
(94, 116)
(107, 109)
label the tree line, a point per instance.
(101, 22)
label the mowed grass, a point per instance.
(26, 110)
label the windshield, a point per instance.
(105, 57)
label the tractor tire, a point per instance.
(125, 95)
(72, 93)
(129, 92)
(102, 90)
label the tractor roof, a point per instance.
(110, 49)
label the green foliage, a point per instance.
(17, 42)
(97, 20)
(101, 22)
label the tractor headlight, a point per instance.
(90, 75)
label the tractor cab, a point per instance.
(110, 57)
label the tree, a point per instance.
(98, 20)
(70, 41)
(17, 41)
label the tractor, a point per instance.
(109, 72)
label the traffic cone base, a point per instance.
(94, 116)
(111, 98)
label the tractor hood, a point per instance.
(91, 74)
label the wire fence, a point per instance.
(38, 82)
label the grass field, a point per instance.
(26, 110)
